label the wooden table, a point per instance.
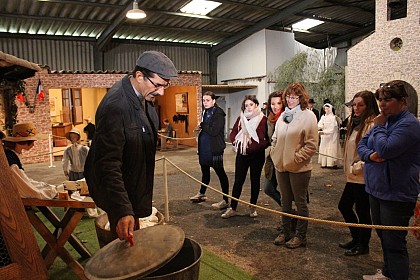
(63, 232)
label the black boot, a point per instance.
(348, 245)
(357, 250)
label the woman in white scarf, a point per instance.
(249, 139)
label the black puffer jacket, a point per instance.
(120, 165)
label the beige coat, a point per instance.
(353, 166)
(295, 143)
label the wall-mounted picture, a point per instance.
(52, 106)
(181, 102)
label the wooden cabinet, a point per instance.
(59, 133)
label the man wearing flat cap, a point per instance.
(120, 165)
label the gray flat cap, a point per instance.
(158, 63)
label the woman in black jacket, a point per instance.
(211, 146)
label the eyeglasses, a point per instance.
(168, 84)
(292, 97)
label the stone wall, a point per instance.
(372, 61)
(41, 116)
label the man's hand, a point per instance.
(380, 119)
(125, 228)
(66, 174)
(375, 157)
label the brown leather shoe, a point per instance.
(281, 239)
(295, 242)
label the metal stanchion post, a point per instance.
(50, 148)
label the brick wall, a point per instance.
(41, 116)
(372, 61)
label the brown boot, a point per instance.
(296, 242)
(281, 239)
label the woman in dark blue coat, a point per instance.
(211, 146)
(391, 153)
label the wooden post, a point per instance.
(165, 182)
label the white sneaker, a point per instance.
(220, 205)
(229, 213)
(377, 276)
(199, 197)
(253, 212)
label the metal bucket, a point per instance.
(184, 266)
(159, 252)
(104, 235)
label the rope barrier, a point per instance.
(329, 156)
(261, 207)
(288, 214)
(175, 138)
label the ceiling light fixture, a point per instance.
(135, 13)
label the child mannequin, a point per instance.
(74, 157)
(74, 162)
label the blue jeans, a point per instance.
(394, 243)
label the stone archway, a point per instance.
(410, 84)
(413, 99)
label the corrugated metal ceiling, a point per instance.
(104, 20)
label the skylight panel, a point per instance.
(306, 24)
(200, 7)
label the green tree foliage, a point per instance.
(290, 71)
(328, 84)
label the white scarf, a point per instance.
(248, 124)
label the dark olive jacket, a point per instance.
(120, 166)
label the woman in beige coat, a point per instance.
(295, 141)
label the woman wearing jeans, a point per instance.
(295, 141)
(391, 153)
